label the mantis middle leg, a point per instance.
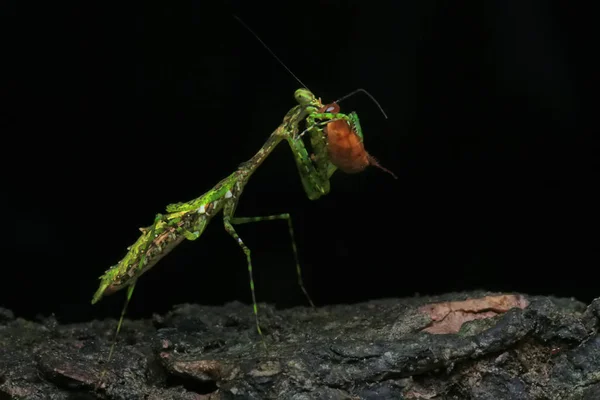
(288, 218)
(228, 222)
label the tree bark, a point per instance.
(475, 345)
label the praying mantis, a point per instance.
(188, 220)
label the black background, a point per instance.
(115, 112)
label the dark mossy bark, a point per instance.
(546, 348)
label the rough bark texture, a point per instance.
(503, 347)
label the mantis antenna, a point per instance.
(298, 79)
(270, 51)
(368, 94)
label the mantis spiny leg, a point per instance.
(325, 117)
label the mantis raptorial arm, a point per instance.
(314, 171)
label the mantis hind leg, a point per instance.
(151, 230)
(114, 341)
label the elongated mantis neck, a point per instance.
(286, 130)
(247, 168)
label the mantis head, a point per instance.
(305, 98)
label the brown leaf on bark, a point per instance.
(448, 317)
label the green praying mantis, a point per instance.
(188, 220)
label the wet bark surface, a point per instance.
(474, 345)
